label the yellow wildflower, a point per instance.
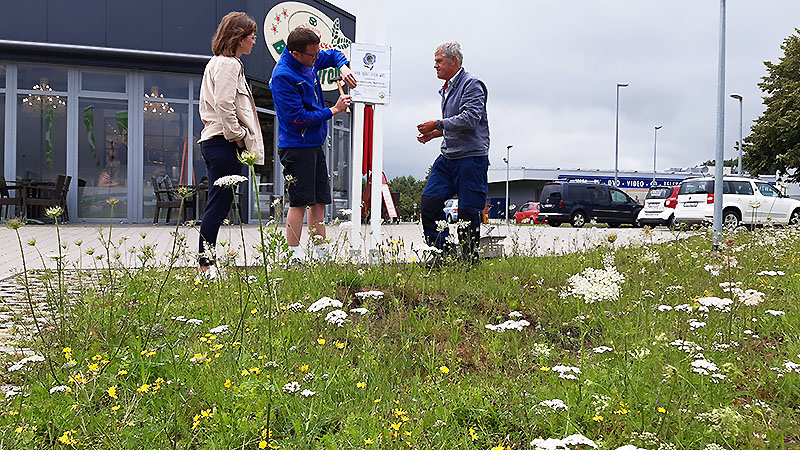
(662, 410)
(112, 391)
(444, 369)
(143, 388)
(472, 434)
(304, 368)
(321, 341)
(228, 383)
(68, 438)
(361, 385)
(122, 372)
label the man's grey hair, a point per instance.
(450, 49)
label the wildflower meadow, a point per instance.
(653, 346)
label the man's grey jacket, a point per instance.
(464, 119)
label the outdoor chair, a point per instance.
(48, 196)
(7, 200)
(164, 199)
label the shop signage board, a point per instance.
(286, 16)
(372, 66)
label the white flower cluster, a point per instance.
(219, 330)
(441, 225)
(185, 320)
(291, 387)
(567, 372)
(727, 286)
(540, 350)
(229, 180)
(554, 404)
(347, 225)
(324, 302)
(360, 311)
(771, 273)
(336, 317)
(566, 443)
(773, 312)
(307, 393)
(61, 388)
(686, 346)
(21, 363)
(713, 270)
(508, 325)
(376, 295)
(296, 306)
(706, 367)
(695, 324)
(602, 349)
(719, 304)
(651, 256)
(787, 367)
(596, 285)
(515, 314)
(750, 297)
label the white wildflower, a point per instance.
(774, 312)
(596, 285)
(219, 330)
(291, 387)
(695, 324)
(663, 308)
(377, 295)
(567, 372)
(771, 273)
(324, 302)
(508, 325)
(713, 270)
(554, 404)
(360, 311)
(336, 317)
(750, 297)
(515, 314)
(296, 306)
(62, 388)
(441, 225)
(720, 304)
(229, 180)
(307, 393)
(602, 349)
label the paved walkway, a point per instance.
(131, 240)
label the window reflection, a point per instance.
(2, 76)
(339, 167)
(166, 153)
(171, 86)
(102, 158)
(41, 137)
(262, 96)
(103, 82)
(265, 174)
(30, 76)
(2, 133)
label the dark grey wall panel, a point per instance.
(17, 22)
(189, 26)
(79, 23)
(134, 24)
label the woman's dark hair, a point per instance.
(300, 38)
(232, 29)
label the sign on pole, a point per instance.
(372, 66)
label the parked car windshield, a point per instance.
(659, 192)
(696, 187)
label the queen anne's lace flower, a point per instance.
(336, 317)
(219, 330)
(22, 362)
(370, 294)
(360, 311)
(596, 285)
(229, 180)
(291, 387)
(720, 304)
(771, 273)
(508, 325)
(324, 302)
(554, 404)
(307, 393)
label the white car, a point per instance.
(451, 210)
(659, 206)
(744, 201)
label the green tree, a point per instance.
(774, 144)
(410, 193)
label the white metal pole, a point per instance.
(655, 141)
(508, 151)
(616, 139)
(720, 149)
(378, 37)
(357, 136)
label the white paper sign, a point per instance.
(372, 67)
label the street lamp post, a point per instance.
(739, 97)
(506, 160)
(655, 140)
(720, 147)
(616, 138)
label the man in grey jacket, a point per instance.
(464, 161)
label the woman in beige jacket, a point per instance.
(231, 124)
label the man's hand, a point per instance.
(425, 137)
(341, 104)
(427, 127)
(348, 77)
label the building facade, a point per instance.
(107, 92)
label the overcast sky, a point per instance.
(551, 67)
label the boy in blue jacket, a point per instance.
(302, 129)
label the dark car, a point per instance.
(578, 203)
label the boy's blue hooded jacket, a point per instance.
(297, 93)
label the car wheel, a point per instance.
(613, 224)
(730, 219)
(794, 219)
(554, 223)
(671, 222)
(578, 219)
(449, 219)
